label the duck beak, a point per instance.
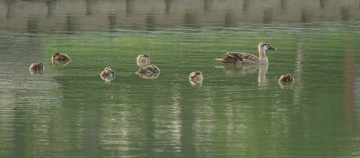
(271, 48)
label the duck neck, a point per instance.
(262, 55)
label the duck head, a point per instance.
(265, 46)
(55, 54)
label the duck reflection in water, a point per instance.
(196, 78)
(149, 72)
(286, 81)
(107, 74)
(239, 69)
(36, 68)
(143, 60)
(245, 69)
(60, 59)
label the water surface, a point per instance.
(71, 112)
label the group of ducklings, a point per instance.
(58, 59)
(150, 71)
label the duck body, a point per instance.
(143, 60)
(107, 74)
(246, 58)
(239, 57)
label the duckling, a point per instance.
(148, 72)
(196, 76)
(286, 80)
(107, 74)
(60, 59)
(36, 68)
(143, 60)
(246, 58)
(149, 69)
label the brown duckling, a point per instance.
(149, 69)
(60, 59)
(148, 72)
(196, 76)
(246, 58)
(36, 68)
(286, 80)
(143, 60)
(107, 74)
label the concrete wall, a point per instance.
(148, 14)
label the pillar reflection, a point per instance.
(168, 4)
(112, 22)
(283, 4)
(189, 20)
(150, 22)
(349, 73)
(345, 13)
(229, 20)
(208, 5)
(51, 6)
(130, 6)
(268, 14)
(32, 25)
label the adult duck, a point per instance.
(246, 58)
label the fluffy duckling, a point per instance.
(196, 76)
(143, 60)
(148, 72)
(149, 69)
(36, 68)
(60, 59)
(107, 74)
(246, 58)
(286, 80)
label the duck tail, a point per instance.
(220, 59)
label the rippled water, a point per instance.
(237, 111)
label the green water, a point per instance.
(70, 112)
